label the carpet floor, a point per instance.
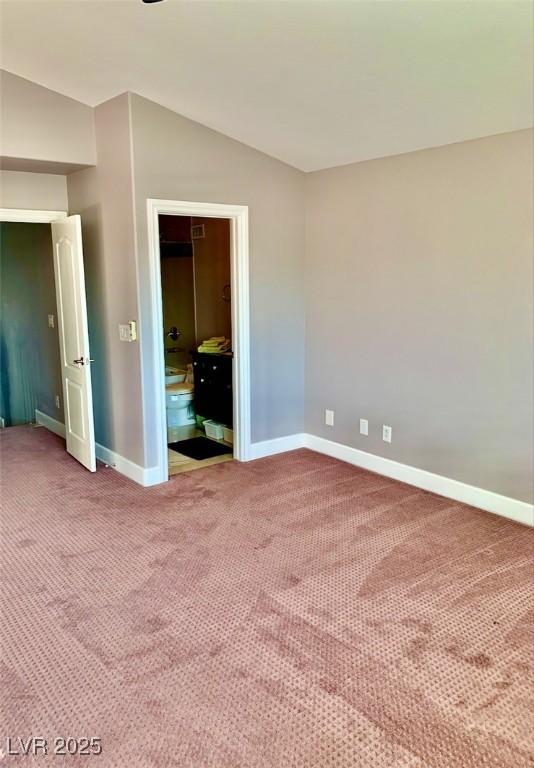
(291, 612)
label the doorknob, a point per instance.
(83, 361)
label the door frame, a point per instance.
(30, 216)
(240, 292)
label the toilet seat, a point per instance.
(181, 388)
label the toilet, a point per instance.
(180, 410)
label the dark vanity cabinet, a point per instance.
(213, 387)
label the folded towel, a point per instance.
(215, 345)
(213, 350)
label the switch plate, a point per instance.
(128, 331)
(386, 433)
(364, 427)
(58, 401)
(329, 418)
(51, 321)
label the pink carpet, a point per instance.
(290, 612)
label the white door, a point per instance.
(74, 340)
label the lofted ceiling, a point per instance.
(316, 84)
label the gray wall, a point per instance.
(39, 124)
(175, 158)
(417, 279)
(104, 198)
(30, 370)
(419, 309)
(37, 191)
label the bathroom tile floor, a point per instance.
(179, 463)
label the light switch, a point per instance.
(124, 332)
(51, 321)
(128, 331)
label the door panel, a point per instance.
(75, 404)
(74, 340)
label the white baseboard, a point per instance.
(142, 475)
(513, 509)
(278, 445)
(126, 467)
(47, 421)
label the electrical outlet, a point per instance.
(386, 433)
(51, 321)
(58, 401)
(329, 418)
(364, 427)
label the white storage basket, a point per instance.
(213, 429)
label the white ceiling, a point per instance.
(316, 84)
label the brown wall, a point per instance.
(212, 274)
(192, 286)
(177, 290)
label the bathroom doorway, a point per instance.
(197, 340)
(151, 297)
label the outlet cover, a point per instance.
(51, 321)
(386, 433)
(58, 401)
(329, 418)
(364, 427)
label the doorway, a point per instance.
(30, 368)
(236, 295)
(197, 340)
(48, 277)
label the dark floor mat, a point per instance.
(200, 448)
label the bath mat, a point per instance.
(200, 448)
